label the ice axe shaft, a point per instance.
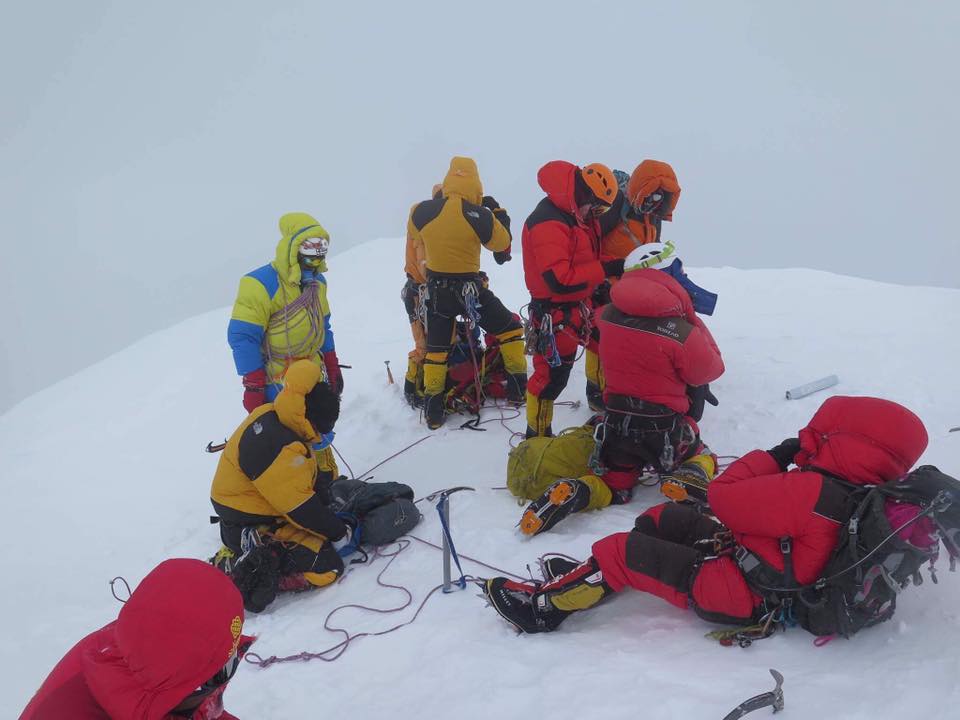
(773, 699)
(389, 373)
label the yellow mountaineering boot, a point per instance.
(688, 483)
(539, 416)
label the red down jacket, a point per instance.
(652, 344)
(174, 633)
(561, 250)
(862, 440)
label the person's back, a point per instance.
(652, 344)
(454, 226)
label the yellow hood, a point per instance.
(463, 179)
(295, 228)
(291, 404)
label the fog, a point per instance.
(148, 149)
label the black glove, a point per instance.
(502, 256)
(489, 202)
(785, 452)
(613, 268)
(501, 215)
(699, 395)
(601, 296)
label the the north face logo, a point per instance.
(473, 213)
(257, 428)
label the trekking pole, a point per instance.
(389, 374)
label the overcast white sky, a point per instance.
(147, 149)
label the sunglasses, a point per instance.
(195, 699)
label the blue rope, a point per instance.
(462, 582)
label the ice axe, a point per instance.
(389, 374)
(773, 699)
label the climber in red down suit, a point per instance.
(678, 554)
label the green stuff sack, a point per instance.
(536, 463)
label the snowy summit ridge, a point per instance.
(104, 474)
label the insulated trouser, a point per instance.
(551, 369)
(448, 297)
(665, 555)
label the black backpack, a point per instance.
(871, 563)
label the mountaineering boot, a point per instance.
(579, 589)
(410, 395)
(595, 397)
(539, 416)
(557, 502)
(434, 411)
(595, 383)
(257, 576)
(513, 600)
(517, 388)
(224, 560)
(688, 483)
(414, 373)
(553, 566)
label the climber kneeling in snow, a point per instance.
(802, 545)
(274, 495)
(169, 654)
(281, 314)
(653, 351)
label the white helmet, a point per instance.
(657, 256)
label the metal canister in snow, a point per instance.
(812, 387)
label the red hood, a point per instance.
(863, 440)
(175, 632)
(557, 180)
(651, 293)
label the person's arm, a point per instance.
(288, 485)
(699, 360)
(329, 349)
(550, 245)
(248, 323)
(753, 496)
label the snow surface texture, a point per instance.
(104, 475)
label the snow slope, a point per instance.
(103, 474)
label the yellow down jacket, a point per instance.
(269, 475)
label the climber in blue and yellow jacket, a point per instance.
(281, 313)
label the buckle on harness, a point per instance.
(747, 561)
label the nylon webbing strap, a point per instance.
(443, 510)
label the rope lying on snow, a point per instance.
(335, 651)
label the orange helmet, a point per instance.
(601, 181)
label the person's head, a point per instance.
(664, 256)
(595, 189)
(863, 440)
(653, 190)
(302, 248)
(322, 407)
(463, 180)
(312, 253)
(174, 644)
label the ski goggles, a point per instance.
(313, 251)
(194, 700)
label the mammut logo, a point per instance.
(236, 625)
(257, 428)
